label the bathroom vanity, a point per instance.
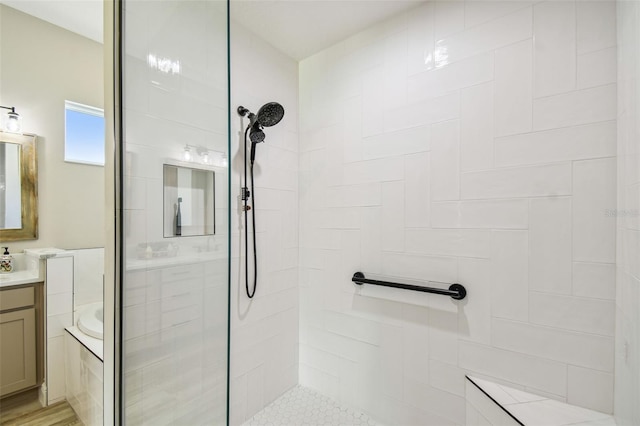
(21, 336)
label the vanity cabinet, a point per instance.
(20, 338)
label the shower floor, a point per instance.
(305, 407)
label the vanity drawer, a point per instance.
(17, 298)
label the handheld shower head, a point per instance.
(256, 134)
(268, 115)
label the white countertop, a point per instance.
(19, 277)
(27, 268)
(180, 259)
(48, 252)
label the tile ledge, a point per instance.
(528, 409)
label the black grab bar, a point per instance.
(456, 291)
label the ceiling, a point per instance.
(80, 16)
(299, 28)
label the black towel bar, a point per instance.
(456, 291)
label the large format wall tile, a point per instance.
(594, 194)
(475, 145)
(476, 127)
(585, 350)
(550, 146)
(550, 245)
(554, 34)
(574, 108)
(513, 88)
(537, 181)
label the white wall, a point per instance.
(88, 272)
(42, 66)
(264, 330)
(627, 389)
(461, 142)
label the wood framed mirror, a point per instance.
(18, 187)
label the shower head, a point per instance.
(256, 134)
(270, 114)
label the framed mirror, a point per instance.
(18, 187)
(188, 201)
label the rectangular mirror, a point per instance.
(18, 187)
(188, 201)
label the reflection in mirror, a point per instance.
(10, 217)
(188, 201)
(18, 187)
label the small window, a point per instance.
(84, 134)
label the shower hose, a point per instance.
(245, 197)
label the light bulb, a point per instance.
(187, 154)
(205, 158)
(13, 123)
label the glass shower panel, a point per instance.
(175, 284)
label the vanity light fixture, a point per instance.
(12, 121)
(203, 155)
(187, 153)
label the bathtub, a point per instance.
(91, 322)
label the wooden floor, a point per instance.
(25, 410)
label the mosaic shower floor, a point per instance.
(304, 407)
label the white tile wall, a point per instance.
(476, 127)
(566, 144)
(550, 245)
(594, 194)
(510, 274)
(627, 211)
(554, 26)
(574, 108)
(88, 275)
(59, 301)
(264, 330)
(513, 88)
(495, 171)
(84, 382)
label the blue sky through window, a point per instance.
(84, 138)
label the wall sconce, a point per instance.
(12, 122)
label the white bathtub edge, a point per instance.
(95, 346)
